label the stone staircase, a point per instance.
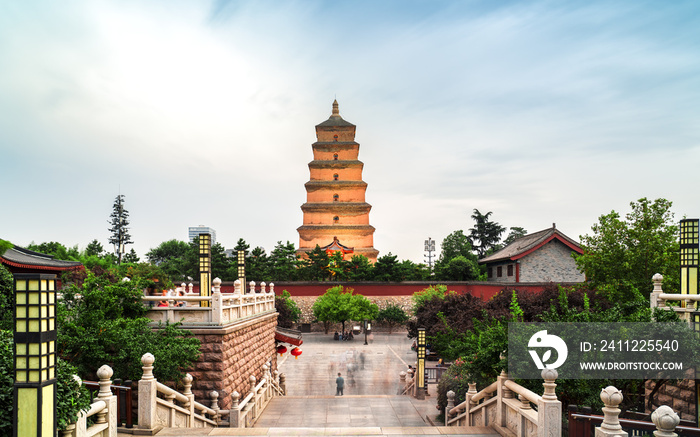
(454, 431)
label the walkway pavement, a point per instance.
(369, 406)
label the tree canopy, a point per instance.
(119, 230)
(338, 305)
(486, 234)
(622, 254)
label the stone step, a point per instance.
(454, 431)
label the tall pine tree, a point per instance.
(119, 232)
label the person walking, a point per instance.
(339, 385)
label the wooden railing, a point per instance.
(495, 406)
(104, 407)
(220, 308)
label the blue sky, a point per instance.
(204, 113)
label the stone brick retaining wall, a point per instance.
(230, 355)
(679, 395)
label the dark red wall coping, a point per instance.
(484, 290)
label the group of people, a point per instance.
(343, 336)
(168, 296)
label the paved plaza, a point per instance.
(369, 406)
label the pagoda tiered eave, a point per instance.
(320, 184)
(319, 163)
(337, 207)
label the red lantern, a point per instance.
(296, 352)
(281, 349)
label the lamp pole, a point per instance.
(430, 248)
(366, 331)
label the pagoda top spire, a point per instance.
(335, 120)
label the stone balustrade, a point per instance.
(664, 418)
(244, 413)
(220, 308)
(104, 407)
(687, 303)
(162, 407)
(506, 414)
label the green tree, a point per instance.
(283, 259)
(515, 233)
(58, 250)
(258, 265)
(486, 234)
(119, 230)
(288, 310)
(220, 263)
(458, 268)
(176, 258)
(387, 268)
(7, 300)
(4, 246)
(103, 322)
(131, 257)
(94, 248)
(622, 255)
(338, 306)
(359, 268)
(457, 262)
(315, 268)
(392, 315)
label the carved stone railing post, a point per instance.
(549, 407)
(190, 288)
(237, 286)
(263, 286)
(611, 397)
(148, 392)
(251, 284)
(217, 310)
(450, 405)
(187, 383)
(252, 380)
(235, 414)
(283, 383)
(666, 421)
(215, 405)
(402, 381)
(502, 392)
(654, 301)
(272, 288)
(105, 393)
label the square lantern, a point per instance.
(204, 267)
(241, 269)
(689, 261)
(420, 376)
(35, 355)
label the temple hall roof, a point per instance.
(529, 243)
(20, 258)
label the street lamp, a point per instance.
(35, 355)
(204, 267)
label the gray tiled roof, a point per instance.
(335, 121)
(523, 244)
(19, 255)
